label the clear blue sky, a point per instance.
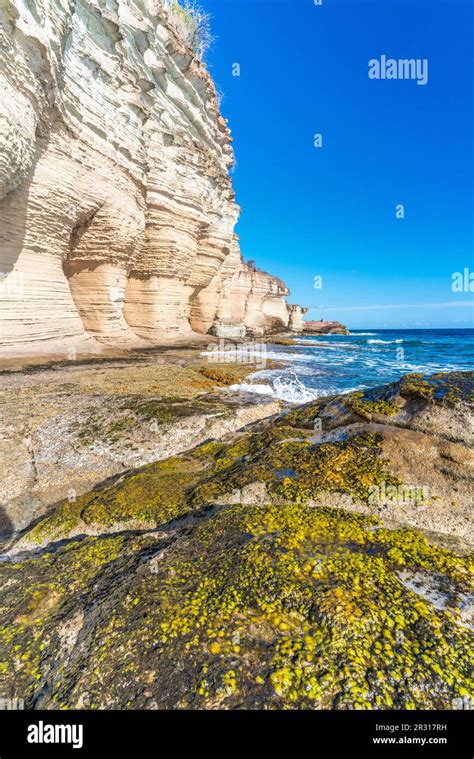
(331, 211)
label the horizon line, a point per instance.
(448, 304)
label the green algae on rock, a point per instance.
(281, 456)
(148, 497)
(287, 606)
(74, 426)
(368, 407)
(351, 466)
(186, 598)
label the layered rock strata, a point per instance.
(117, 211)
(295, 317)
(242, 300)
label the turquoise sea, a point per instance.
(324, 365)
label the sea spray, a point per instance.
(285, 388)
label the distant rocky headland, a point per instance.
(324, 328)
(117, 211)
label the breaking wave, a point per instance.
(384, 342)
(346, 363)
(284, 388)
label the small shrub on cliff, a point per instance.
(192, 23)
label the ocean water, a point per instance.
(366, 358)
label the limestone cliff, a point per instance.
(117, 211)
(242, 301)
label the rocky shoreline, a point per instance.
(168, 543)
(68, 425)
(315, 559)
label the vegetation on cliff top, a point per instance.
(193, 24)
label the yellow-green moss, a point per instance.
(414, 385)
(154, 494)
(316, 588)
(303, 416)
(351, 466)
(40, 591)
(226, 374)
(367, 407)
(293, 469)
(275, 605)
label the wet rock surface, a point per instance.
(67, 427)
(324, 328)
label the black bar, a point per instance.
(317, 733)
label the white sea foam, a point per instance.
(384, 342)
(308, 369)
(327, 346)
(313, 371)
(284, 388)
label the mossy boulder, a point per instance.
(158, 591)
(287, 606)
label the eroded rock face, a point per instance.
(296, 314)
(116, 208)
(246, 301)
